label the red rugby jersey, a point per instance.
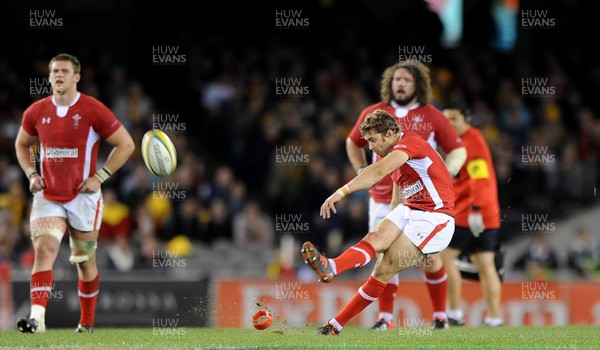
(426, 121)
(424, 178)
(476, 184)
(69, 139)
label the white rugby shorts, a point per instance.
(430, 232)
(377, 212)
(83, 213)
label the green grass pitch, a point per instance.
(283, 337)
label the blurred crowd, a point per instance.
(255, 162)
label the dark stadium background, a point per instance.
(239, 38)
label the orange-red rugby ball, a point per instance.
(262, 319)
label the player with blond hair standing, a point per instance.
(414, 231)
(406, 94)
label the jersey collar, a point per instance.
(401, 111)
(72, 103)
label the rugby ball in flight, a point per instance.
(159, 153)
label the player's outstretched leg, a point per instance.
(401, 255)
(317, 262)
(356, 256)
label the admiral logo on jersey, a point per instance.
(412, 189)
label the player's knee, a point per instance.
(83, 266)
(377, 240)
(431, 264)
(45, 252)
(46, 242)
(385, 269)
(82, 251)
(47, 232)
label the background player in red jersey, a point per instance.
(415, 230)
(406, 94)
(66, 193)
(477, 214)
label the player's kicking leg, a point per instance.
(356, 256)
(418, 234)
(401, 255)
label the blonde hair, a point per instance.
(379, 121)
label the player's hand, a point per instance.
(91, 184)
(329, 205)
(476, 223)
(36, 183)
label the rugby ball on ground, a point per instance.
(159, 153)
(262, 319)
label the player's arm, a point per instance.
(23, 145)
(356, 155)
(450, 142)
(375, 172)
(355, 145)
(455, 160)
(123, 147)
(478, 175)
(367, 178)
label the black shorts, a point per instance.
(464, 240)
(469, 271)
